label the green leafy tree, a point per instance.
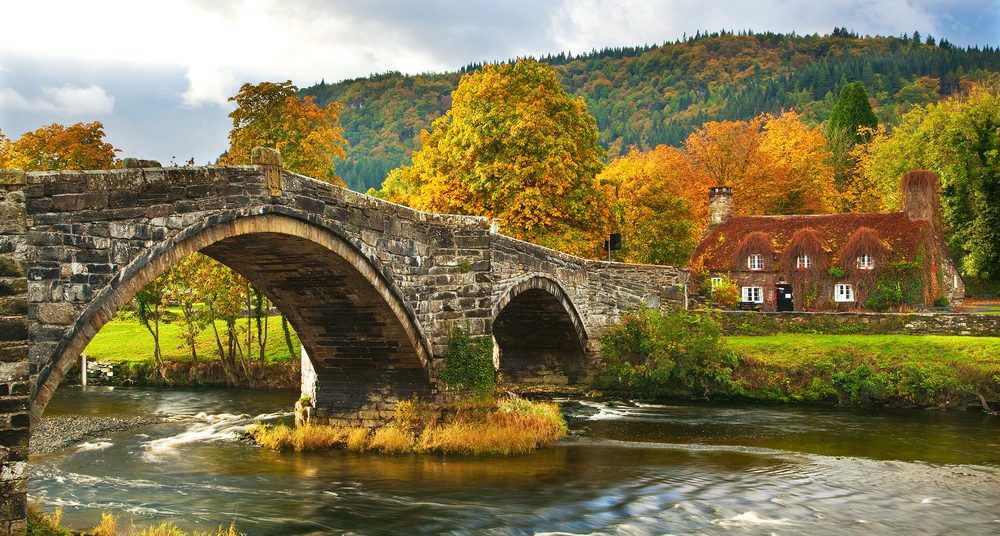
(272, 115)
(149, 308)
(514, 146)
(959, 139)
(852, 117)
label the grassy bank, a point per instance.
(125, 340)
(684, 354)
(504, 426)
(944, 371)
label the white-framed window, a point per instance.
(755, 261)
(866, 262)
(803, 261)
(716, 282)
(753, 294)
(843, 292)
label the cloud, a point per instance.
(67, 99)
(208, 85)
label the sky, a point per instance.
(158, 74)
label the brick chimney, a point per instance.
(720, 204)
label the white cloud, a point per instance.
(208, 85)
(67, 99)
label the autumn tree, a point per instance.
(272, 115)
(517, 147)
(800, 155)
(775, 164)
(659, 205)
(959, 139)
(58, 147)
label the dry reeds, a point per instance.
(805, 242)
(509, 426)
(864, 241)
(757, 242)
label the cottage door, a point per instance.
(784, 300)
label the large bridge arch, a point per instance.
(364, 340)
(539, 334)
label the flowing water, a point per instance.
(641, 469)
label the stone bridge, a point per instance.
(372, 288)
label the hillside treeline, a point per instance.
(647, 96)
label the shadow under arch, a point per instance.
(539, 335)
(352, 321)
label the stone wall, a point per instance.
(14, 369)
(750, 323)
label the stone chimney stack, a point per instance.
(920, 195)
(720, 204)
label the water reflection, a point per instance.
(642, 470)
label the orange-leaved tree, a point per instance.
(659, 205)
(57, 147)
(514, 146)
(271, 114)
(775, 164)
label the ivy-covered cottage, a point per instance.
(875, 261)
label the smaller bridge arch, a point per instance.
(539, 334)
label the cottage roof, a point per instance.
(719, 249)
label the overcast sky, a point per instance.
(158, 74)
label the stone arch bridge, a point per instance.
(372, 288)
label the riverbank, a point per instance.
(868, 370)
(683, 354)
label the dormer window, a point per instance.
(803, 261)
(866, 262)
(755, 261)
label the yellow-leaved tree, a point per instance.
(775, 164)
(659, 203)
(517, 147)
(57, 147)
(271, 114)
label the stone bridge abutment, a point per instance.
(372, 288)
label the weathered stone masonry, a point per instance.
(14, 371)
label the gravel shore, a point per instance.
(57, 433)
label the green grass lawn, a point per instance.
(124, 340)
(792, 349)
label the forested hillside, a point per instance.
(646, 96)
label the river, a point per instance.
(641, 469)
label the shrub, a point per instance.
(888, 294)
(677, 349)
(860, 386)
(468, 365)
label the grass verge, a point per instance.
(506, 426)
